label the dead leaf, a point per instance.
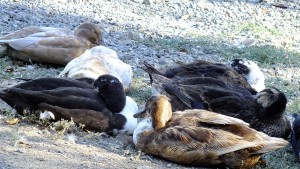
(12, 121)
(184, 17)
(264, 11)
(183, 50)
(22, 143)
(9, 69)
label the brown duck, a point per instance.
(199, 137)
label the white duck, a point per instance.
(98, 61)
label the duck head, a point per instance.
(273, 102)
(239, 66)
(158, 109)
(251, 72)
(112, 92)
(155, 115)
(90, 32)
(295, 137)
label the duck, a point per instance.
(251, 71)
(97, 121)
(263, 111)
(202, 68)
(47, 45)
(106, 92)
(97, 61)
(199, 137)
(295, 136)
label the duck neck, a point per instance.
(162, 114)
(115, 99)
(274, 111)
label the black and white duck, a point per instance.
(199, 137)
(250, 70)
(264, 111)
(228, 73)
(71, 98)
(67, 93)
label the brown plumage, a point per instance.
(199, 137)
(52, 45)
(98, 121)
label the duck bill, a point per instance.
(140, 114)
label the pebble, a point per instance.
(134, 28)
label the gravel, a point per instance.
(139, 29)
(127, 24)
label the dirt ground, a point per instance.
(33, 144)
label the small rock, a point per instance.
(147, 2)
(30, 67)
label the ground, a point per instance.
(162, 34)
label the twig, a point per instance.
(150, 158)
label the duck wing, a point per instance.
(66, 98)
(98, 121)
(21, 43)
(55, 50)
(51, 83)
(199, 137)
(216, 96)
(37, 32)
(225, 74)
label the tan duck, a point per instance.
(52, 45)
(199, 137)
(263, 111)
(98, 61)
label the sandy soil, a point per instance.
(34, 144)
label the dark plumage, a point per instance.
(98, 121)
(264, 112)
(295, 136)
(202, 68)
(67, 93)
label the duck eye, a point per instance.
(103, 80)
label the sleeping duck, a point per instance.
(219, 71)
(251, 72)
(264, 111)
(98, 61)
(52, 45)
(199, 137)
(67, 93)
(98, 121)
(295, 136)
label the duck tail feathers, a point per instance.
(151, 71)
(273, 144)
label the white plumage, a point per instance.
(98, 61)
